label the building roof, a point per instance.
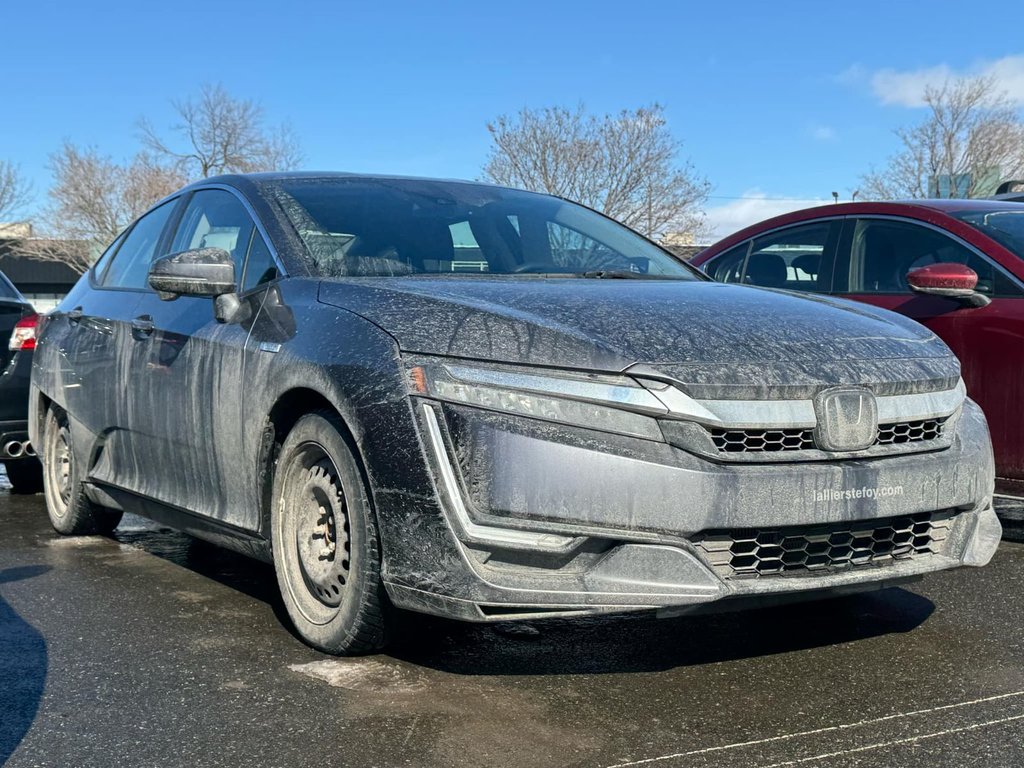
(33, 275)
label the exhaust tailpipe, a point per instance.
(15, 449)
(30, 450)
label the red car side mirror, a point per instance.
(952, 280)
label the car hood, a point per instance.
(735, 341)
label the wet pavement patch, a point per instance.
(359, 674)
(149, 648)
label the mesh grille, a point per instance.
(764, 440)
(753, 553)
(909, 431)
(747, 440)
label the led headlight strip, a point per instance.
(609, 403)
(625, 405)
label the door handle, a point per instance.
(142, 326)
(75, 316)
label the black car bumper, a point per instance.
(14, 392)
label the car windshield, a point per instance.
(1005, 226)
(399, 227)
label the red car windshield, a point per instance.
(1005, 226)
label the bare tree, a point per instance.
(623, 165)
(971, 132)
(93, 198)
(15, 192)
(218, 133)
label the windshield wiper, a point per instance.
(622, 274)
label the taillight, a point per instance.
(24, 336)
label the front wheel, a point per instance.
(70, 510)
(326, 550)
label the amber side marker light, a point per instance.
(418, 380)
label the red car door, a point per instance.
(872, 264)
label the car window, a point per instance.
(728, 267)
(7, 289)
(104, 260)
(1005, 226)
(791, 258)
(573, 251)
(467, 253)
(883, 251)
(402, 227)
(215, 218)
(260, 266)
(130, 265)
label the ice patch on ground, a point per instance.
(368, 675)
(72, 542)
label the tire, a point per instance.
(325, 543)
(26, 476)
(70, 510)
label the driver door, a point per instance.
(191, 370)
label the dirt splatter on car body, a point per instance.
(534, 440)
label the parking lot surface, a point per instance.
(150, 648)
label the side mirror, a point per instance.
(952, 280)
(199, 272)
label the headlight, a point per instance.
(617, 404)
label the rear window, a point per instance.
(7, 290)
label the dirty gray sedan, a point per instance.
(488, 404)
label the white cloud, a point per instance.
(823, 133)
(906, 88)
(855, 74)
(752, 207)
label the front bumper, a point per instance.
(604, 523)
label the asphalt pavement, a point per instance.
(151, 649)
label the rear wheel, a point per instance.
(326, 551)
(26, 475)
(70, 510)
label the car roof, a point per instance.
(967, 205)
(926, 209)
(272, 176)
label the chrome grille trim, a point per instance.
(790, 414)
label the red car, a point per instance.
(957, 266)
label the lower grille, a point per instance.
(799, 550)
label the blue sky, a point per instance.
(775, 102)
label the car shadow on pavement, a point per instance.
(644, 643)
(592, 645)
(253, 578)
(23, 665)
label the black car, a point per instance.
(490, 404)
(18, 332)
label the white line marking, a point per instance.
(827, 729)
(897, 742)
